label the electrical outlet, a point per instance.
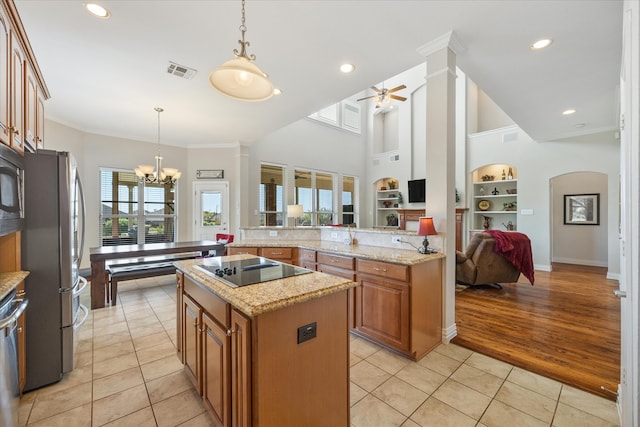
(334, 235)
(307, 332)
(396, 239)
(273, 233)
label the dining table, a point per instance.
(99, 256)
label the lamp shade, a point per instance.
(294, 211)
(241, 79)
(426, 226)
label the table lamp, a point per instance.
(295, 212)
(426, 228)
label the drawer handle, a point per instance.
(334, 260)
(384, 270)
(276, 253)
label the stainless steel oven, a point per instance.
(11, 308)
(11, 191)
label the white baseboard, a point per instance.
(588, 262)
(613, 276)
(542, 267)
(449, 333)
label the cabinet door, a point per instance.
(216, 389)
(192, 316)
(179, 319)
(383, 310)
(40, 122)
(16, 97)
(240, 370)
(30, 107)
(4, 78)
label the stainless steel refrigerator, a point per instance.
(52, 245)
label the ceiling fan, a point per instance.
(385, 95)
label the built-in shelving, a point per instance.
(501, 196)
(387, 203)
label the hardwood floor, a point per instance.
(566, 327)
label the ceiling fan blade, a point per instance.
(376, 89)
(399, 98)
(397, 88)
(362, 99)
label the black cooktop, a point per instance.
(249, 271)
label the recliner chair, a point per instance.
(480, 266)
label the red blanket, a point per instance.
(516, 247)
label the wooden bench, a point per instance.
(139, 268)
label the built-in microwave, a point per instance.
(11, 191)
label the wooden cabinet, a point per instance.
(240, 370)
(307, 258)
(255, 372)
(216, 387)
(341, 266)
(16, 94)
(241, 251)
(32, 103)
(400, 306)
(191, 351)
(286, 255)
(5, 48)
(22, 88)
(383, 303)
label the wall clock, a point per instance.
(484, 205)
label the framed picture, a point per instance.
(582, 209)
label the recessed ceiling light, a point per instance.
(541, 44)
(277, 91)
(568, 112)
(97, 10)
(347, 68)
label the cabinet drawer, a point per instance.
(276, 253)
(307, 255)
(217, 308)
(240, 251)
(390, 271)
(336, 261)
(339, 272)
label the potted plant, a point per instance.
(400, 199)
(510, 206)
(392, 220)
(392, 184)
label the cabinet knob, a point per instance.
(19, 330)
(230, 332)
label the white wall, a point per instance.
(537, 163)
(579, 244)
(307, 144)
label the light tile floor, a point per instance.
(127, 374)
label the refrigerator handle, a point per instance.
(84, 214)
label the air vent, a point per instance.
(510, 137)
(394, 158)
(181, 71)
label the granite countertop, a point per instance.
(9, 281)
(379, 253)
(259, 298)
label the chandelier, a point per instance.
(240, 78)
(159, 175)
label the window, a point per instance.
(271, 195)
(344, 115)
(122, 222)
(314, 191)
(349, 201)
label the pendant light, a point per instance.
(240, 78)
(159, 175)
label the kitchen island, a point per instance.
(274, 353)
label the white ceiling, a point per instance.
(106, 76)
